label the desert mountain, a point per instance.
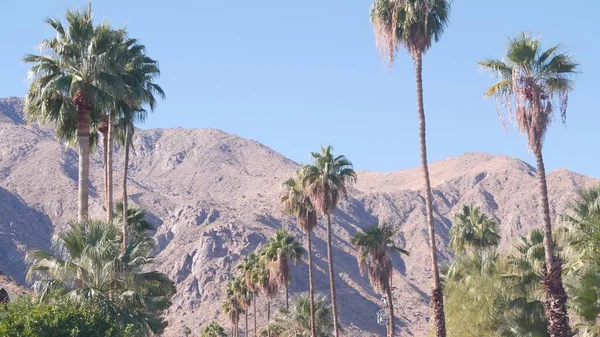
(214, 197)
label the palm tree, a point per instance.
(416, 27)
(236, 295)
(243, 296)
(72, 82)
(261, 277)
(297, 203)
(523, 279)
(472, 230)
(186, 331)
(582, 244)
(583, 218)
(280, 250)
(249, 267)
(537, 81)
(141, 71)
(295, 322)
(87, 265)
(585, 296)
(373, 252)
(232, 311)
(213, 330)
(326, 182)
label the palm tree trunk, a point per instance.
(237, 328)
(125, 167)
(390, 301)
(105, 162)
(246, 329)
(311, 289)
(331, 277)
(254, 310)
(83, 137)
(287, 298)
(556, 297)
(437, 297)
(268, 316)
(109, 165)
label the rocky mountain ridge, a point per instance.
(214, 198)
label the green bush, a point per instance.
(59, 318)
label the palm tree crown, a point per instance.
(374, 248)
(281, 249)
(408, 23)
(474, 229)
(327, 179)
(77, 71)
(532, 84)
(295, 322)
(296, 202)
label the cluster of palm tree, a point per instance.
(265, 271)
(503, 294)
(317, 189)
(91, 80)
(88, 264)
(532, 83)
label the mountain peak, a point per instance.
(11, 108)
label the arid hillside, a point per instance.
(214, 198)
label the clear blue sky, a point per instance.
(297, 74)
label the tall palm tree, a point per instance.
(88, 265)
(236, 292)
(326, 182)
(263, 279)
(472, 230)
(297, 203)
(72, 82)
(295, 322)
(416, 27)
(280, 250)
(249, 267)
(139, 76)
(537, 81)
(373, 252)
(232, 311)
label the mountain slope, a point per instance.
(214, 197)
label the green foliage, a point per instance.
(472, 230)
(500, 294)
(296, 321)
(58, 318)
(88, 266)
(213, 330)
(582, 245)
